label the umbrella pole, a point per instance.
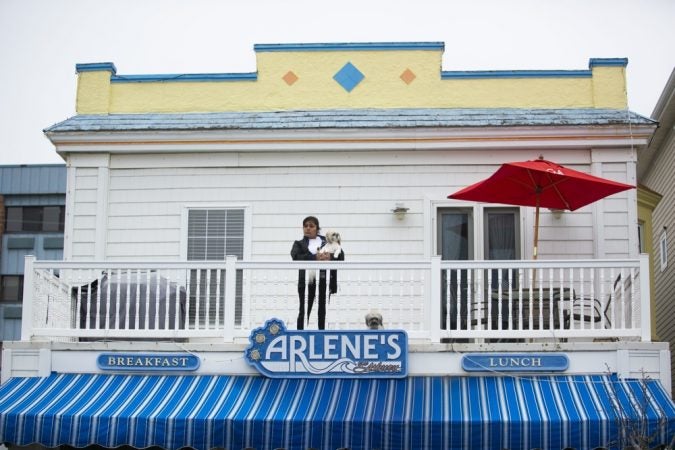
(536, 231)
(536, 242)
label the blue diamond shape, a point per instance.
(348, 77)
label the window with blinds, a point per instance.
(213, 234)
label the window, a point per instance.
(663, 247)
(52, 218)
(11, 288)
(501, 241)
(34, 219)
(213, 234)
(641, 237)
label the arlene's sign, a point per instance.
(280, 353)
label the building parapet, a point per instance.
(350, 75)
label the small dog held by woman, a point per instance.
(333, 244)
(331, 247)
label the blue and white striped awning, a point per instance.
(235, 412)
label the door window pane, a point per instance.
(454, 235)
(501, 243)
(501, 235)
(455, 240)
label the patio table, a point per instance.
(537, 302)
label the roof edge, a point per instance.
(349, 46)
(244, 76)
(96, 67)
(516, 74)
(351, 118)
(607, 62)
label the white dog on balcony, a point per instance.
(374, 320)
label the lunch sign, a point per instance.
(280, 353)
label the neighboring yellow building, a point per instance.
(647, 201)
(655, 171)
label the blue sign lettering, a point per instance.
(156, 362)
(515, 362)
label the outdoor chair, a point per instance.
(480, 318)
(587, 309)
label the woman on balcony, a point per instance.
(307, 249)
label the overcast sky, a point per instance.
(42, 40)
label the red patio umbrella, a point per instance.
(540, 183)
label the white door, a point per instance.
(459, 234)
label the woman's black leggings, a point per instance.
(311, 294)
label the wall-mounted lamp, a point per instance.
(556, 213)
(400, 211)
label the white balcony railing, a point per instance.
(432, 300)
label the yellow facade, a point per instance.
(647, 200)
(93, 92)
(294, 78)
(609, 87)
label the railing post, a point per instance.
(434, 309)
(230, 297)
(645, 300)
(28, 296)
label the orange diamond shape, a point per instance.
(290, 78)
(408, 76)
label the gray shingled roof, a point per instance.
(348, 118)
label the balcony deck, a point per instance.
(434, 301)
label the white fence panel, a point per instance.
(432, 300)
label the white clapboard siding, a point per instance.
(146, 203)
(279, 201)
(83, 250)
(83, 214)
(82, 222)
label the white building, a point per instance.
(168, 175)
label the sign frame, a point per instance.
(148, 362)
(280, 353)
(515, 362)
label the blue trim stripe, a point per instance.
(202, 412)
(611, 62)
(250, 76)
(346, 46)
(96, 67)
(447, 75)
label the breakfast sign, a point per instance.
(280, 353)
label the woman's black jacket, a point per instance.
(300, 252)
